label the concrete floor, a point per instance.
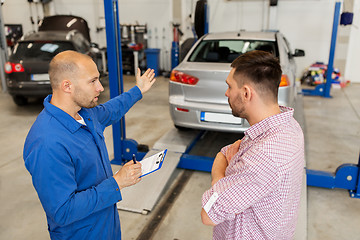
(332, 138)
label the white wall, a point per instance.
(157, 14)
(307, 24)
(352, 70)
(17, 12)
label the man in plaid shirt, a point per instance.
(256, 181)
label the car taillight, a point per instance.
(18, 67)
(181, 77)
(182, 109)
(284, 81)
(13, 67)
(8, 68)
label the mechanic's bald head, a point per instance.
(65, 66)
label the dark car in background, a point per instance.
(27, 69)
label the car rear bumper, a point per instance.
(29, 89)
(189, 115)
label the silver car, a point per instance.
(197, 85)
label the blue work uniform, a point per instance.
(71, 171)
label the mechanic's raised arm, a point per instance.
(114, 109)
(145, 81)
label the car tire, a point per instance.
(185, 47)
(20, 100)
(199, 21)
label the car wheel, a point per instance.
(20, 100)
(185, 47)
(199, 21)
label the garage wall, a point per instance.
(306, 23)
(18, 12)
(157, 14)
(352, 70)
(131, 12)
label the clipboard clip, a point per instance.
(160, 158)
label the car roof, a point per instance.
(48, 35)
(256, 35)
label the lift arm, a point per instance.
(346, 176)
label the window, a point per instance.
(41, 50)
(227, 50)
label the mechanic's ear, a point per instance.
(66, 86)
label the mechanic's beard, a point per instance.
(83, 103)
(91, 105)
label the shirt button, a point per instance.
(117, 189)
(89, 119)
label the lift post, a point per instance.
(323, 89)
(123, 148)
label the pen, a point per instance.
(134, 158)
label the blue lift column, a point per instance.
(123, 148)
(323, 89)
(206, 13)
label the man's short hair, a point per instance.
(262, 69)
(64, 66)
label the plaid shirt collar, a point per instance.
(275, 120)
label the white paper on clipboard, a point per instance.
(152, 163)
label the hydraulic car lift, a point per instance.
(323, 89)
(179, 144)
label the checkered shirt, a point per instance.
(259, 196)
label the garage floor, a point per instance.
(332, 138)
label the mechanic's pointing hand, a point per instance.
(128, 175)
(145, 81)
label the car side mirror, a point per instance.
(299, 53)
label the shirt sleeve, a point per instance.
(224, 149)
(114, 109)
(254, 178)
(53, 176)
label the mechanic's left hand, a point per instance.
(145, 81)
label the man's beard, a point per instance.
(83, 103)
(238, 112)
(90, 105)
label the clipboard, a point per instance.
(152, 163)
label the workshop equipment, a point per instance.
(153, 59)
(175, 46)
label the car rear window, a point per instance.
(41, 50)
(227, 50)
